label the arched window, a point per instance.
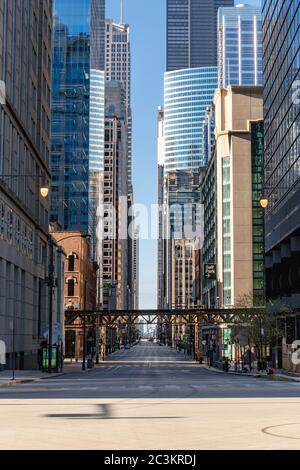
(71, 260)
(71, 287)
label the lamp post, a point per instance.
(264, 198)
(43, 186)
(51, 283)
(13, 326)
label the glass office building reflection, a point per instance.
(77, 112)
(281, 64)
(240, 46)
(188, 93)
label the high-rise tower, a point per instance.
(240, 46)
(192, 33)
(78, 114)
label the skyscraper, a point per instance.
(240, 46)
(281, 45)
(115, 244)
(192, 33)
(183, 216)
(188, 93)
(238, 182)
(25, 70)
(78, 114)
(118, 68)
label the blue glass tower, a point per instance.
(240, 46)
(281, 64)
(188, 93)
(77, 113)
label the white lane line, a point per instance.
(88, 388)
(116, 388)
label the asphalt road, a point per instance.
(151, 397)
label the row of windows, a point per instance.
(15, 231)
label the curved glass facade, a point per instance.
(188, 93)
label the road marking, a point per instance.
(88, 388)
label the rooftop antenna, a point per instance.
(122, 12)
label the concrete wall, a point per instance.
(235, 108)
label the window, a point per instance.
(71, 260)
(71, 287)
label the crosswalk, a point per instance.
(196, 387)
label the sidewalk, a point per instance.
(28, 376)
(277, 376)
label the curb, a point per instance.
(278, 377)
(284, 378)
(12, 383)
(244, 374)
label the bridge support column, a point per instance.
(196, 339)
(174, 334)
(103, 340)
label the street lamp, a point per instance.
(44, 186)
(264, 201)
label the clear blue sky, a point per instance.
(148, 32)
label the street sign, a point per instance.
(210, 271)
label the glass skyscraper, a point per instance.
(281, 64)
(240, 46)
(77, 113)
(192, 33)
(188, 93)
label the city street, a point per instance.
(157, 399)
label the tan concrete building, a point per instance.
(239, 218)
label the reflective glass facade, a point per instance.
(208, 189)
(281, 66)
(208, 134)
(281, 31)
(77, 112)
(257, 156)
(191, 24)
(240, 46)
(188, 93)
